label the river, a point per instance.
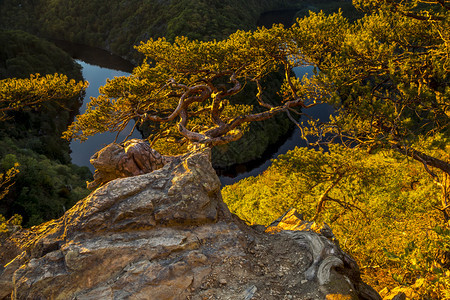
(98, 65)
(82, 151)
(321, 112)
(256, 167)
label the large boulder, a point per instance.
(168, 235)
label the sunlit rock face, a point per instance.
(168, 235)
(131, 158)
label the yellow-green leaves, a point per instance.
(387, 75)
(18, 94)
(244, 53)
(381, 201)
(7, 179)
(191, 85)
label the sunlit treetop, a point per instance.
(185, 88)
(25, 94)
(418, 9)
(387, 75)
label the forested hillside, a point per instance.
(117, 25)
(382, 207)
(23, 54)
(46, 183)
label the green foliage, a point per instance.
(191, 89)
(387, 74)
(299, 178)
(378, 204)
(7, 227)
(203, 20)
(422, 268)
(255, 141)
(124, 23)
(23, 54)
(329, 7)
(260, 135)
(37, 111)
(44, 188)
(38, 107)
(25, 94)
(34, 111)
(6, 179)
(6, 182)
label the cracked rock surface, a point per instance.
(168, 235)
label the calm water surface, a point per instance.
(81, 152)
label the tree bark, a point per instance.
(425, 159)
(324, 197)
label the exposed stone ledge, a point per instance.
(168, 235)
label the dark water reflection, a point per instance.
(96, 76)
(95, 56)
(98, 65)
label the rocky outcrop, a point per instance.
(134, 157)
(168, 235)
(327, 256)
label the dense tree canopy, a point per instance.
(388, 77)
(386, 74)
(38, 187)
(185, 88)
(389, 74)
(123, 23)
(38, 108)
(381, 208)
(23, 54)
(21, 94)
